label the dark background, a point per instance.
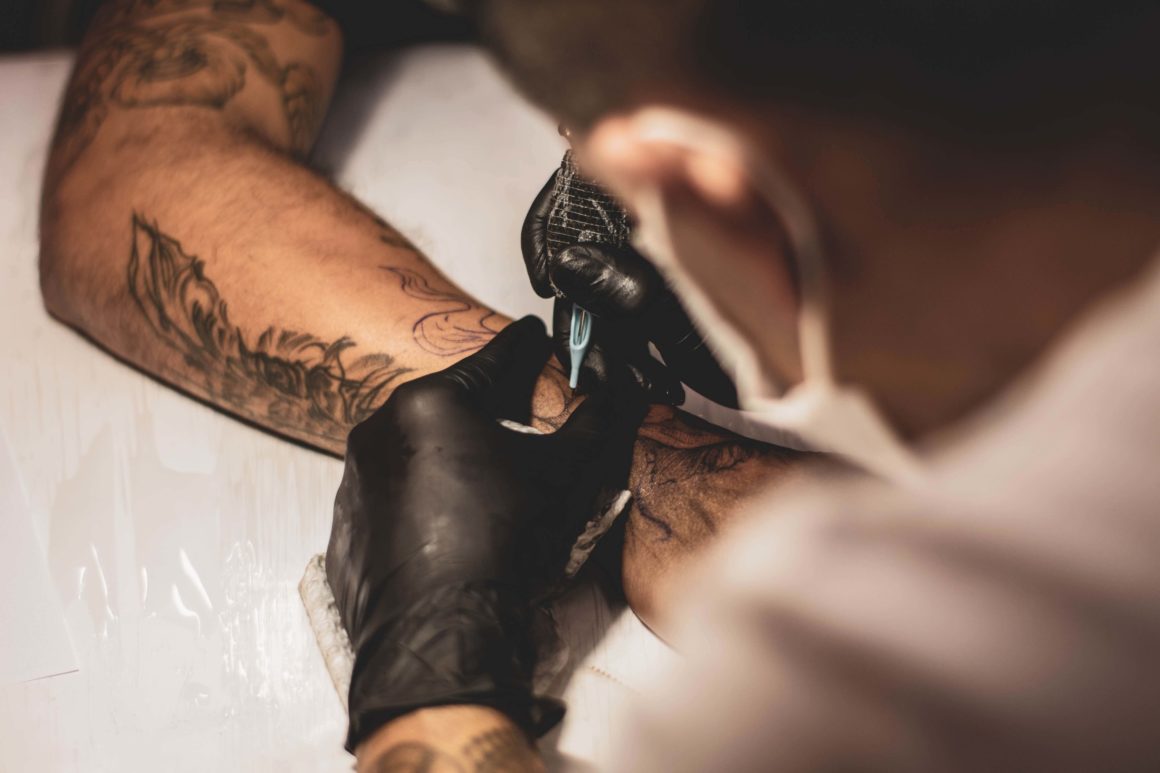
(30, 24)
(26, 25)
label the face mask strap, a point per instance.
(805, 242)
(846, 410)
(654, 235)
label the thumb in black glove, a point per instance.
(449, 528)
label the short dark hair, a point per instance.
(995, 67)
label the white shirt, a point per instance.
(1004, 617)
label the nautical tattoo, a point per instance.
(128, 62)
(497, 750)
(455, 326)
(291, 381)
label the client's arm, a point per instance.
(180, 231)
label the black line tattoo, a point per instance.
(641, 508)
(455, 326)
(192, 61)
(291, 381)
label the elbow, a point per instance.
(52, 291)
(53, 294)
(55, 291)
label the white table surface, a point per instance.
(176, 536)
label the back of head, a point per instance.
(987, 70)
(953, 154)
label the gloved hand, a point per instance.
(449, 528)
(633, 305)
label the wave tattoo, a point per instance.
(455, 327)
(289, 380)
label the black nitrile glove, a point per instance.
(633, 306)
(449, 528)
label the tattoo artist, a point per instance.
(895, 225)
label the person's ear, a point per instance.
(725, 236)
(629, 153)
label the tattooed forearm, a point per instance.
(499, 750)
(127, 63)
(293, 382)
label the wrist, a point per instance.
(464, 738)
(457, 645)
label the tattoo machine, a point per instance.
(582, 213)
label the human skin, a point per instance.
(181, 230)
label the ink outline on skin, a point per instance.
(456, 327)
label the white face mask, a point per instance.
(830, 417)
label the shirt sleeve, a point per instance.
(877, 633)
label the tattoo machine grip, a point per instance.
(582, 213)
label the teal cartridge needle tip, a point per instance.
(582, 213)
(578, 342)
